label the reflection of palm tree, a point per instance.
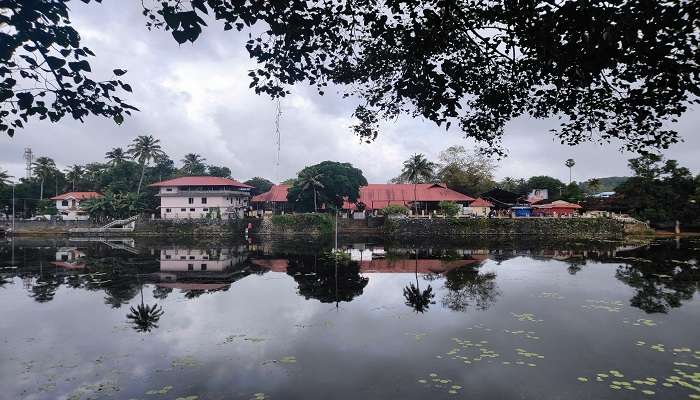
(419, 301)
(144, 318)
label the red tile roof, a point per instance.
(77, 196)
(276, 194)
(480, 203)
(379, 195)
(200, 181)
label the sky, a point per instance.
(195, 98)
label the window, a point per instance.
(204, 267)
(183, 209)
(192, 209)
(169, 189)
(190, 267)
(205, 257)
(183, 258)
(64, 203)
(205, 209)
(190, 200)
(204, 200)
(167, 210)
(167, 256)
(191, 257)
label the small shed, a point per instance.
(479, 208)
(557, 208)
(521, 211)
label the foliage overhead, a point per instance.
(45, 71)
(612, 71)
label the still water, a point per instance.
(157, 320)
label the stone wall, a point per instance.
(45, 227)
(574, 228)
(183, 227)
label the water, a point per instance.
(288, 320)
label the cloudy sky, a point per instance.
(195, 98)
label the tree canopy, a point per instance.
(338, 181)
(619, 70)
(260, 185)
(467, 172)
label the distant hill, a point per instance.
(607, 184)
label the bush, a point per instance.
(394, 209)
(449, 208)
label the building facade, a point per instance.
(68, 205)
(197, 197)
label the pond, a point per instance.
(274, 319)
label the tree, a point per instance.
(466, 172)
(260, 185)
(5, 177)
(415, 170)
(335, 183)
(221, 172)
(449, 208)
(144, 149)
(193, 164)
(572, 193)
(43, 167)
(570, 164)
(611, 70)
(593, 184)
(74, 173)
(311, 181)
(116, 156)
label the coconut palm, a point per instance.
(43, 167)
(570, 164)
(193, 163)
(116, 156)
(4, 177)
(144, 149)
(74, 173)
(311, 181)
(144, 317)
(415, 170)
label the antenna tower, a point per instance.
(28, 158)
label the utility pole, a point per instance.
(13, 211)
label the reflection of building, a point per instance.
(69, 258)
(200, 269)
(68, 205)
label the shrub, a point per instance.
(394, 209)
(449, 208)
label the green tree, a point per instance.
(221, 172)
(43, 168)
(335, 183)
(260, 185)
(475, 64)
(449, 208)
(144, 149)
(193, 164)
(572, 193)
(513, 185)
(593, 185)
(466, 172)
(570, 164)
(116, 156)
(417, 169)
(4, 177)
(74, 173)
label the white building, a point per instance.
(68, 205)
(202, 197)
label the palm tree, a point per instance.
(310, 181)
(43, 167)
(4, 177)
(144, 149)
(116, 156)
(570, 163)
(74, 173)
(415, 170)
(192, 162)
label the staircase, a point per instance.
(116, 226)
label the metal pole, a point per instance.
(336, 230)
(13, 208)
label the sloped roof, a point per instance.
(379, 195)
(558, 204)
(200, 181)
(480, 203)
(77, 196)
(276, 194)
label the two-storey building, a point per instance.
(202, 197)
(68, 205)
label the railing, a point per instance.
(110, 227)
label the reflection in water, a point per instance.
(529, 314)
